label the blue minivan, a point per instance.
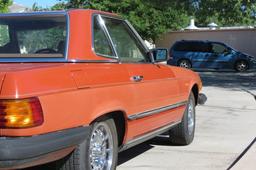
(208, 54)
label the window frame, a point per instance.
(64, 58)
(220, 44)
(106, 33)
(138, 38)
(133, 32)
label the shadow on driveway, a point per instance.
(133, 152)
(229, 79)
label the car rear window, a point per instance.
(33, 36)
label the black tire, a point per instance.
(180, 134)
(80, 159)
(241, 65)
(185, 63)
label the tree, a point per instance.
(36, 7)
(224, 12)
(150, 18)
(59, 6)
(4, 4)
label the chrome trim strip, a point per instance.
(104, 27)
(147, 136)
(92, 61)
(44, 13)
(40, 59)
(156, 111)
(137, 35)
(68, 36)
(52, 60)
(92, 40)
(132, 30)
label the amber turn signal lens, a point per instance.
(20, 113)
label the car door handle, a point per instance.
(137, 78)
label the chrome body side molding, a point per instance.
(156, 111)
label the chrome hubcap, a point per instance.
(241, 66)
(184, 64)
(101, 148)
(191, 117)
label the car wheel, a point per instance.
(98, 152)
(185, 63)
(241, 65)
(183, 133)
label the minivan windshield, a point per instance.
(33, 36)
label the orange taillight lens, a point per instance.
(21, 113)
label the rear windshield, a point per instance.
(33, 36)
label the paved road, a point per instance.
(230, 80)
(248, 159)
(225, 127)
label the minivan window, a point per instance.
(218, 48)
(182, 46)
(192, 46)
(32, 36)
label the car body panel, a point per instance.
(154, 76)
(80, 44)
(76, 91)
(111, 81)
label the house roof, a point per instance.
(18, 8)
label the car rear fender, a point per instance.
(120, 119)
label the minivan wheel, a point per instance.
(183, 133)
(241, 65)
(185, 63)
(98, 152)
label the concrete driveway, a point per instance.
(226, 125)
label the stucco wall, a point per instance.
(241, 39)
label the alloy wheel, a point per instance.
(241, 66)
(191, 117)
(101, 148)
(185, 64)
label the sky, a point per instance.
(43, 3)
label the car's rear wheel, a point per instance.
(98, 152)
(185, 63)
(241, 66)
(183, 133)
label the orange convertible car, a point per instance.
(79, 86)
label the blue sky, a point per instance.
(43, 3)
